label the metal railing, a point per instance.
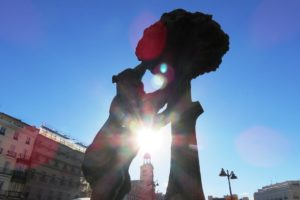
(19, 175)
(6, 171)
(6, 194)
(23, 156)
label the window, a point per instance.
(59, 196)
(65, 167)
(32, 174)
(43, 176)
(79, 171)
(68, 196)
(1, 184)
(296, 196)
(53, 178)
(74, 170)
(6, 166)
(18, 167)
(50, 195)
(25, 152)
(43, 158)
(36, 157)
(28, 140)
(70, 182)
(39, 194)
(1, 149)
(77, 184)
(16, 136)
(11, 152)
(67, 155)
(62, 181)
(2, 130)
(56, 164)
(12, 147)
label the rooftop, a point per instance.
(63, 139)
(14, 119)
(284, 184)
(55, 132)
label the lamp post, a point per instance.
(230, 175)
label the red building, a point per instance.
(143, 189)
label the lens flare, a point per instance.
(149, 140)
(262, 146)
(158, 81)
(163, 68)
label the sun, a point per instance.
(149, 140)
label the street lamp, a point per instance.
(230, 175)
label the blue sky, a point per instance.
(57, 59)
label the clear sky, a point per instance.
(57, 59)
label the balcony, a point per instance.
(19, 176)
(22, 158)
(5, 171)
(11, 153)
(15, 194)
(4, 194)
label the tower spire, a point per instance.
(147, 159)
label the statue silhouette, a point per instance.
(180, 46)
(187, 45)
(108, 158)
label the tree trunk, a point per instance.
(185, 178)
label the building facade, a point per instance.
(55, 168)
(144, 189)
(159, 196)
(244, 198)
(16, 144)
(288, 190)
(39, 164)
(226, 197)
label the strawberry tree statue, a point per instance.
(181, 46)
